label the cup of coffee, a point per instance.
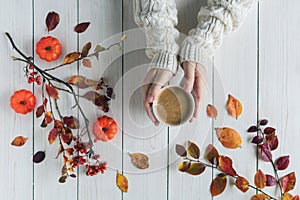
(173, 106)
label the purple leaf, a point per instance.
(271, 180)
(52, 20)
(39, 156)
(265, 153)
(269, 130)
(263, 122)
(252, 129)
(282, 163)
(257, 139)
(273, 143)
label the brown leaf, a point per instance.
(260, 197)
(196, 168)
(229, 137)
(140, 160)
(242, 184)
(79, 81)
(52, 20)
(85, 49)
(218, 185)
(80, 28)
(287, 196)
(193, 150)
(122, 182)
(234, 106)
(212, 111)
(52, 91)
(52, 135)
(71, 122)
(260, 179)
(180, 150)
(66, 136)
(39, 156)
(87, 63)
(62, 179)
(47, 119)
(71, 57)
(184, 166)
(98, 100)
(212, 155)
(60, 150)
(19, 141)
(39, 111)
(225, 164)
(288, 182)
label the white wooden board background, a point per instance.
(259, 64)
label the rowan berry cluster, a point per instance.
(32, 76)
(95, 169)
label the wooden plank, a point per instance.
(105, 29)
(279, 79)
(16, 162)
(47, 173)
(236, 70)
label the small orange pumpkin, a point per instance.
(105, 128)
(48, 48)
(22, 101)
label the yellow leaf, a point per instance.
(184, 166)
(19, 141)
(229, 137)
(234, 106)
(123, 37)
(71, 57)
(140, 160)
(260, 179)
(122, 182)
(260, 197)
(287, 196)
(218, 185)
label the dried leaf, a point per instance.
(140, 160)
(71, 122)
(79, 81)
(85, 49)
(257, 139)
(228, 137)
(87, 63)
(270, 180)
(273, 143)
(212, 155)
(234, 106)
(52, 91)
(66, 136)
(265, 153)
(52, 135)
(196, 168)
(52, 20)
(19, 141)
(180, 150)
(212, 111)
(47, 119)
(263, 122)
(184, 166)
(39, 111)
(98, 100)
(218, 185)
(296, 197)
(122, 182)
(260, 197)
(242, 184)
(62, 179)
(39, 156)
(99, 48)
(80, 28)
(269, 130)
(60, 150)
(252, 129)
(225, 164)
(288, 182)
(282, 163)
(193, 150)
(287, 196)
(71, 57)
(260, 179)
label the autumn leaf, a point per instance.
(79, 81)
(99, 48)
(218, 185)
(193, 150)
(98, 100)
(62, 179)
(122, 182)
(71, 122)
(282, 163)
(124, 37)
(269, 130)
(71, 57)
(260, 197)
(228, 137)
(287, 196)
(47, 119)
(52, 91)
(80, 28)
(85, 49)
(242, 184)
(270, 180)
(212, 111)
(87, 63)
(52, 20)
(263, 122)
(288, 182)
(260, 179)
(66, 136)
(234, 106)
(140, 160)
(184, 166)
(212, 155)
(252, 129)
(196, 168)
(39, 111)
(180, 150)
(19, 141)
(225, 164)
(265, 153)
(39, 157)
(52, 135)
(258, 139)
(272, 141)
(60, 150)
(296, 197)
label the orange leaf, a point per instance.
(52, 91)
(87, 63)
(288, 182)
(19, 141)
(260, 179)
(122, 182)
(71, 57)
(52, 135)
(218, 185)
(234, 106)
(229, 137)
(287, 196)
(212, 111)
(67, 136)
(260, 197)
(225, 164)
(212, 154)
(242, 184)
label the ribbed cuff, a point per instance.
(165, 60)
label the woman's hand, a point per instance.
(154, 80)
(194, 81)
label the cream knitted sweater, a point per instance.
(158, 18)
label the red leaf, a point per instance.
(218, 185)
(58, 125)
(80, 28)
(260, 179)
(273, 143)
(225, 164)
(47, 120)
(71, 122)
(39, 111)
(282, 163)
(242, 184)
(265, 153)
(270, 180)
(269, 130)
(296, 197)
(45, 102)
(67, 136)
(52, 20)
(288, 182)
(52, 135)
(52, 91)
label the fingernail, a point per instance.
(149, 98)
(187, 88)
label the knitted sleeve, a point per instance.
(158, 19)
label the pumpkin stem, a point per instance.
(104, 129)
(48, 48)
(22, 102)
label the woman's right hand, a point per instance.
(152, 84)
